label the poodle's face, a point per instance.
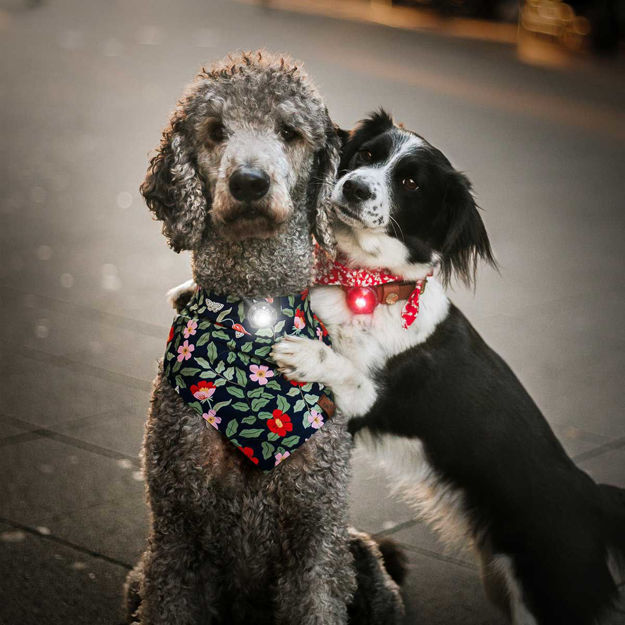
(255, 156)
(250, 149)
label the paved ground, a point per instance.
(86, 89)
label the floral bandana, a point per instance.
(219, 364)
(338, 272)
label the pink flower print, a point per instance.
(315, 419)
(298, 321)
(319, 333)
(280, 457)
(260, 374)
(212, 418)
(184, 351)
(190, 328)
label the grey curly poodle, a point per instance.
(240, 179)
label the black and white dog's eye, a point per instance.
(288, 134)
(217, 132)
(409, 184)
(365, 155)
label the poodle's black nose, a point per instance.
(248, 184)
(356, 190)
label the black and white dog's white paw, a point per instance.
(302, 359)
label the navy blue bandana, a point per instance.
(218, 361)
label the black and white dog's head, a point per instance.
(400, 204)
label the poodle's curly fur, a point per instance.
(229, 543)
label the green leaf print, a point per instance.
(268, 450)
(247, 346)
(311, 399)
(255, 433)
(264, 415)
(203, 363)
(241, 377)
(259, 403)
(290, 441)
(300, 405)
(189, 371)
(211, 352)
(231, 430)
(204, 338)
(223, 314)
(283, 404)
(222, 404)
(255, 392)
(293, 392)
(261, 352)
(249, 420)
(272, 384)
(272, 436)
(235, 391)
(241, 406)
(220, 366)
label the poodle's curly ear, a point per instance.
(173, 189)
(322, 180)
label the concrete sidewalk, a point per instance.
(83, 269)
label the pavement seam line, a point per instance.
(42, 432)
(600, 450)
(438, 556)
(117, 321)
(66, 543)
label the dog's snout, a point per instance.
(248, 184)
(356, 190)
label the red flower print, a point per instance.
(281, 423)
(323, 328)
(249, 452)
(171, 334)
(295, 383)
(299, 320)
(202, 390)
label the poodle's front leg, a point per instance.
(308, 360)
(173, 589)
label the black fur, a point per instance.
(481, 431)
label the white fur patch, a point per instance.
(414, 479)
(369, 341)
(518, 611)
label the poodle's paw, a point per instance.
(180, 295)
(302, 359)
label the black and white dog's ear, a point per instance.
(465, 240)
(321, 184)
(174, 191)
(372, 126)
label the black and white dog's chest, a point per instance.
(368, 341)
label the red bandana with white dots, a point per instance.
(337, 272)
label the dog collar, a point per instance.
(366, 288)
(218, 361)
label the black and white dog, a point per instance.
(442, 410)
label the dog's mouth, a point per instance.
(249, 222)
(347, 215)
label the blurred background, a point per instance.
(527, 100)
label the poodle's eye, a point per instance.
(288, 133)
(365, 155)
(217, 132)
(409, 184)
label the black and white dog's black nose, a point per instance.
(356, 190)
(248, 184)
